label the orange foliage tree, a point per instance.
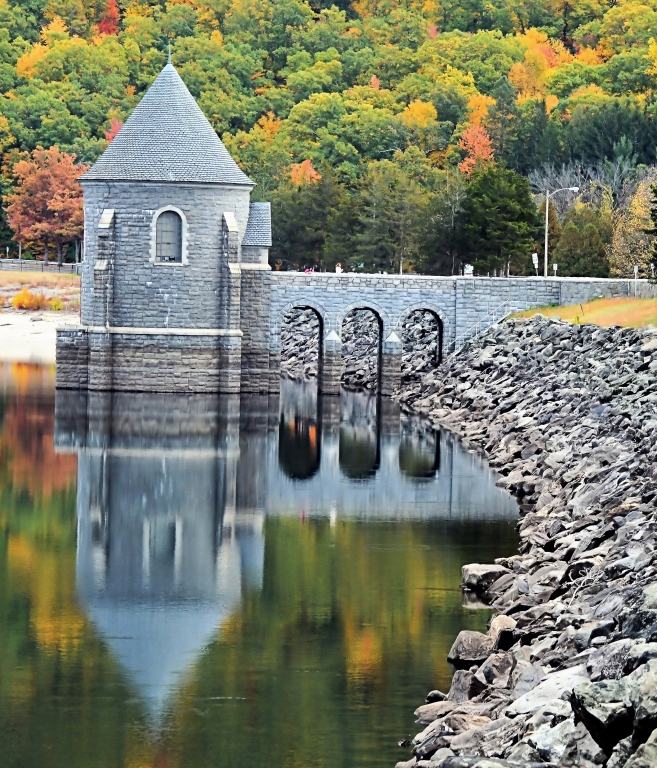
(303, 173)
(46, 205)
(476, 144)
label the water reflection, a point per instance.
(178, 586)
(173, 492)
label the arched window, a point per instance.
(168, 237)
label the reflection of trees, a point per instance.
(27, 455)
(61, 698)
(350, 616)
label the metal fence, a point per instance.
(30, 265)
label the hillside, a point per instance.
(355, 114)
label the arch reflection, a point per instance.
(419, 452)
(299, 431)
(360, 436)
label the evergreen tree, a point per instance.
(442, 237)
(582, 248)
(500, 221)
(391, 215)
(581, 252)
(502, 118)
(302, 211)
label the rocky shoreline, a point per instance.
(567, 673)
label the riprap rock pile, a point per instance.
(567, 673)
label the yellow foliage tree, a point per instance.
(631, 244)
(478, 105)
(29, 61)
(419, 114)
(528, 76)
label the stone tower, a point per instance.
(175, 277)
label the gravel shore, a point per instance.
(30, 337)
(567, 673)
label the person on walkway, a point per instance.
(338, 268)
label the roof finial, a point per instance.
(169, 61)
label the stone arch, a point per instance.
(185, 256)
(310, 351)
(301, 303)
(444, 327)
(383, 323)
(370, 306)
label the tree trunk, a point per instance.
(77, 251)
(45, 253)
(60, 254)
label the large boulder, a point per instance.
(496, 670)
(614, 709)
(552, 687)
(605, 709)
(478, 578)
(470, 648)
(646, 754)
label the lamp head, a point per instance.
(574, 189)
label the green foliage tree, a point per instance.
(391, 213)
(442, 235)
(582, 247)
(500, 221)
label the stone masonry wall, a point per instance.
(458, 302)
(148, 363)
(156, 295)
(209, 293)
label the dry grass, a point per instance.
(629, 313)
(39, 279)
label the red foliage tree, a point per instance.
(114, 127)
(109, 20)
(46, 205)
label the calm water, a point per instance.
(197, 581)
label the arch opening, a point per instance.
(301, 343)
(362, 336)
(299, 431)
(422, 341)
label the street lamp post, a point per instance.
(548, 195)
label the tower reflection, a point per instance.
(162, 557)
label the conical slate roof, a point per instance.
(167, 138)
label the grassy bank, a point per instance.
(52, 285)
(628, 313)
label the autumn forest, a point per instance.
(385, 133)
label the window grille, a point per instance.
(168, 238)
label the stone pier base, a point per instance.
(330, 365)
(148, 360)
(391, 359)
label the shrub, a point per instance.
(56, 304)
(25, 299)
